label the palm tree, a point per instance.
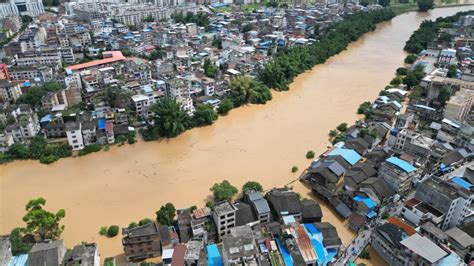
(170, 118)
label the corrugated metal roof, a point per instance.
(351, 156)
(404, 165)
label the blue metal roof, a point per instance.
(371, 214)
(213, 256)
(101, 123)
(284, 252)
(462, 182)
(351, 156)
(20, 260)
(367, 201)
(46, 118)
(404, 165)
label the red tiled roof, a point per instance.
(178, 255)
(115, 56)
(405, 227)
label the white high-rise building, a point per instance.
(21, 7)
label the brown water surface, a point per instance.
(259, 142)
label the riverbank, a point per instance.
(409, 7)
(256, 142)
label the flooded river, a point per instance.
(258, 142)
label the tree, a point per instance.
(204, 115)
(294, 169)
(244, 89)
(37, 147)
(18, 151)
(444, 94)
(113, 231)
(410, 80)
(342, 127)
(210, 69)
(384, 3)
(332, 133)
(310, 155)
(149, 19)
(452, 71)
(246, 28)
(425, 5)
(165, 215)
(170, 118)
(41, 224)
(364, 108)
(34, 95)
(395, 81)
(402, 71)
(18, 245)
(145, 221)
(364, 254)
(217, 42)
(410, 59)
(225, 106)
(223, 191)
(132, 225)
(252, 185)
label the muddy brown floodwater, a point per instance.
(258, 142)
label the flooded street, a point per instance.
(258, 142)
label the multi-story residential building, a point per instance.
(284, 203)
(47, 253)
(4, 73)
(21, 7)
(9, 90)
(146, 241)
(459, 105)
(398, 174)
(201, 223)
(224, 217)
(6, 140)
(39, 74)
(259, 205)
(35, 61)
(141, 104)
(89, 132)
(413, 143)
(239, 246)
(83, 254)
(74, 135)
(209, 86)
(462, 243)
(448, 198)
(26, 126)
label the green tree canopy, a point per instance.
(204, 115)
(42, 224)
(210, 69)
(34, 95)
(165, 215)
(225, 106)
(170, 118)
(444, 94)
(425, 5)
(244, 89)
(342, 127)
(18, 244)
(252, 185)
(223, 191)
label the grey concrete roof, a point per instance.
(461, 237)
(424, 247)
